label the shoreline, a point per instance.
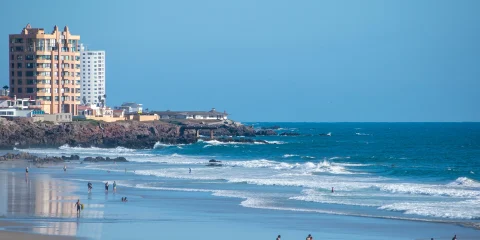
(7, 232)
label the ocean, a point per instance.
(407, 173)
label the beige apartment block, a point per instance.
(45, 67)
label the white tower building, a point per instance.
(92, 76)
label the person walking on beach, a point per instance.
(64, 168)
(106, 187)
(89, 187)
(279, 237)
(78, 205)
(454, 237)
(26, 171)
(309, 237)
(114, 186)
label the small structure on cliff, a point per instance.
(193, 115)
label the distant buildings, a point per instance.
(196, 115)
(92, 76)
(45, 67)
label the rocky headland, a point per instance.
(24, 133)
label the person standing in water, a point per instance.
(279, 237)
(114, 186)
(189, 170)
(78, 205)
(26, 171)
(89, 187)
(64, 168)
(106, 187)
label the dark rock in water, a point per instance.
(117, 159)
(48, 160)
(325, 134)
(275, 127)
(22, 155)
(101, 159)
(72, 157)
(289, 134)
(266, 132)
(214, 163)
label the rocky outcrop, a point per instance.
(102, 159)
(289, 134)
(23, 133)
(27, 156)
(72, 157)
(266, 132)
(214, 163)
(231, 130)
(18, 156)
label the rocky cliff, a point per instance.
(23, 133)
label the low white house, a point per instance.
(196, 115)
(131, 107)
(13, 112)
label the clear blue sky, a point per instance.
(276, 60)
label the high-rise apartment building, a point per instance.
(46, 67)
(92, 76)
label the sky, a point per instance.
(277, 60)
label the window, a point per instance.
(45, 57)
(20, 82)
(31, 73)
(19, 49)
(12, 57)
(19, 57)
(19, 73)
(29, 57)
(12, 73)
(19, 65)
(30, 90)
(30, 82)
(12, 65)
(19, 90)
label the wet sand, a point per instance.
(8, 235)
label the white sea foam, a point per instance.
(275, 142)
(456, 210)
(362, 134)
(466, 182)
(429, 189)
(164, 145)
(290, 155)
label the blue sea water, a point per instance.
(414, 172)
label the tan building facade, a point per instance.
(45, 67)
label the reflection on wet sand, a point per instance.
(41, 196)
